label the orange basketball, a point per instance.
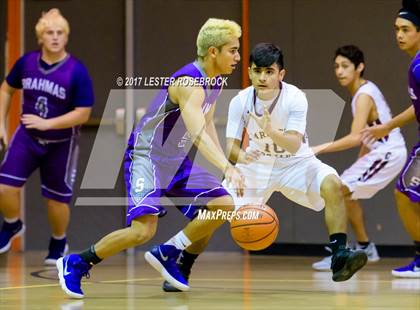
(254, 227)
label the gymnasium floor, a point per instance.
(220, 281)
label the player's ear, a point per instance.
(282, 73)
(212, 51)
(249, 73)
(360, 67)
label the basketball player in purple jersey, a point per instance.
(57, 99)
(157, 165)
(407, 193)
(278, 158)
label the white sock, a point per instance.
(11, 220)
(180, 241)
(58, 237)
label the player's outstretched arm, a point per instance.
(6, 93)
(364, 106)
(376, 132)
(78, 116)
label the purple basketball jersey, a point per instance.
(409, 179)
(156, 162)
(414, 86)
(161, 132)
(49, 93)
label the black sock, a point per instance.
(417, 244)
(338, 242)
(363, 245)
(90, 257)
(187, 260)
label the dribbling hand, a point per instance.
(235, 179)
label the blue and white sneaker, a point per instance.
(10, 231)
(71, 269)
(163, 258)
(412, 270)
(56, 249)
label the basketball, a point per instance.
(254, 227)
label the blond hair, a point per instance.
(216, 32)
(52, 17)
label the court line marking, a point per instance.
(84, 283)
(195, 280)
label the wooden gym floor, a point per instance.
(225, 280)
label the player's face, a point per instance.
(408, 38)
(54, 39)
(228, 57)
(266, 80)
(345, 71)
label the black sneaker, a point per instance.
(8, 233)
(345, 263)
(56, 249)
(168, 287)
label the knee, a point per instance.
(9, 190)
(139, 237)
(224, 203)
(331, 186)
(56, 204)
(141, 234)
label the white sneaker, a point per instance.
(325, 263)
(371, 252)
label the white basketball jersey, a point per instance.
(384, 115)
(288, 112)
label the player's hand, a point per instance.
(4, 141)
(249, 156)
(263, 121)
(235, 179)
(31, 121)
(371, 134)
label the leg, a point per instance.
(356, 219)
(355, 216)
(142, 229)
(186, 261)
(409, 212)
(344, 262)
(10, 201)
(198, 229)
(58, 217)
(335, 212)
(10, 209)
(407, 196)
(57, 171)
(199, 246)
(73, 267)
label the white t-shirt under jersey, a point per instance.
(395, 137)
(289, 113)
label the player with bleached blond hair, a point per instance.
(48, 19)
(57, 99)
(278, 158)
(157, 164)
